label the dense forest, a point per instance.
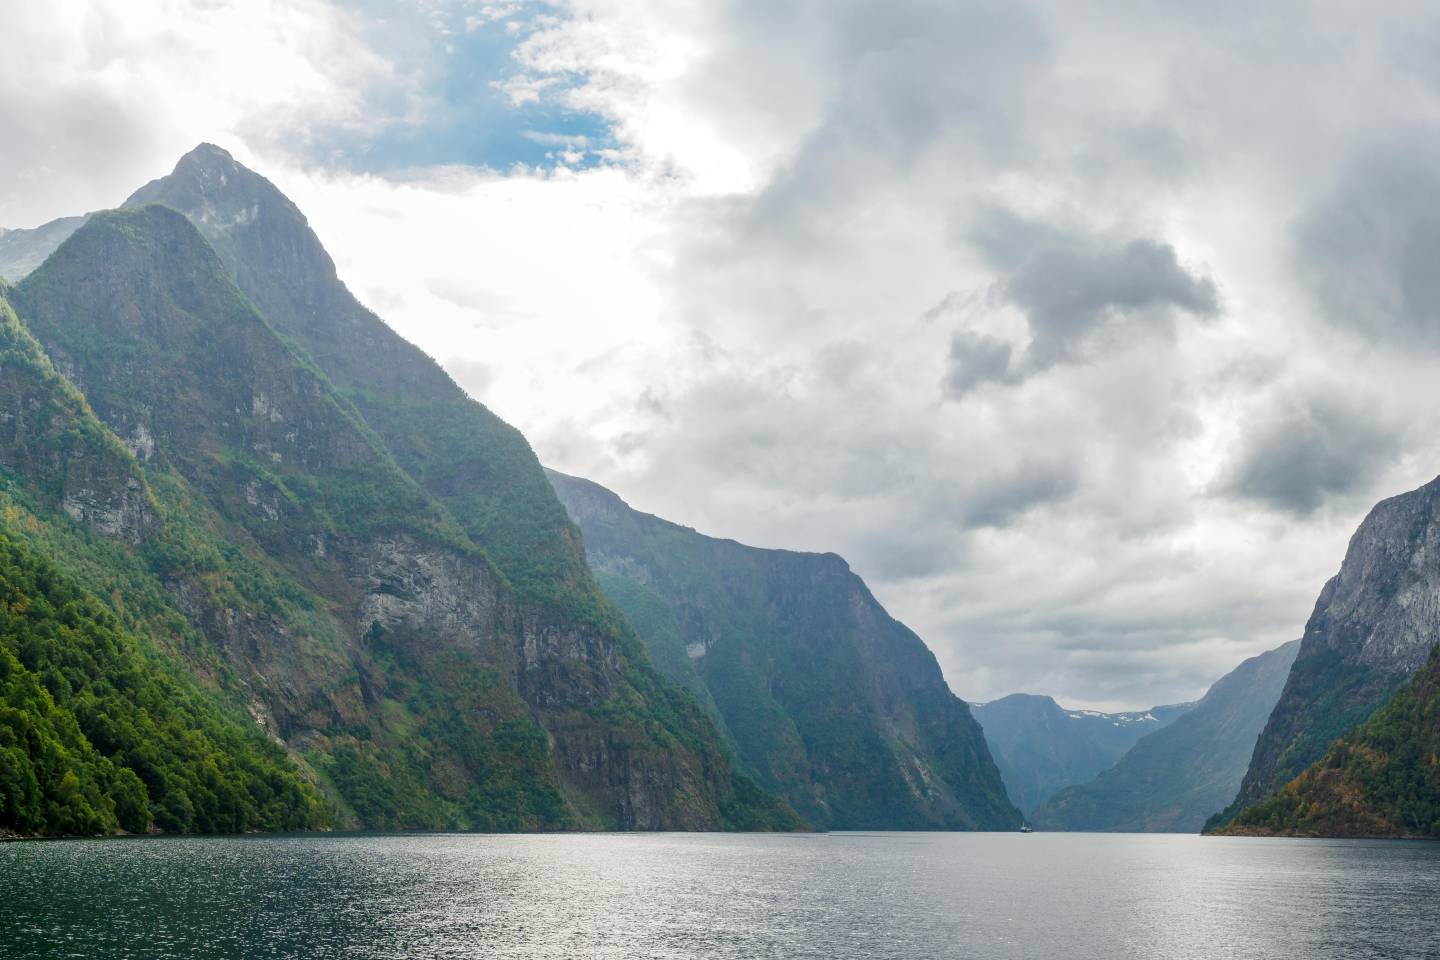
(96, 736)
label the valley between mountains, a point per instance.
(265, 566)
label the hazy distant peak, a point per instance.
(21, 251)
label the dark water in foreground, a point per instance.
(1075, 896)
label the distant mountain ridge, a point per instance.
(1041, 747)
(21, 251)
(828, 701)
(1373, 626)
(1173, 779)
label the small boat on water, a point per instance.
(1026, 828)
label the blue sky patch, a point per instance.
(456, 54)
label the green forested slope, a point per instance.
(1380, 780)
(258, 527)
(97, 735)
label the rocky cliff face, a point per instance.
(49, 436)
(360, 622)
(1175, 778)
(1042, 748)
(827, 699)
(1373, 626)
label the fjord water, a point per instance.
(720, 896)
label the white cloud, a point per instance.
(97, 97)
(745, 319)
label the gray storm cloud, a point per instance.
(1367, 248)
(1072, 287)
(1311, 449)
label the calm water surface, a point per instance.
(844, 896)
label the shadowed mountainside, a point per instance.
(828, 701)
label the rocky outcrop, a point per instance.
(1373, 626)
(49, 437)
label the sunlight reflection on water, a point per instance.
(629, 896)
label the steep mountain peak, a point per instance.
(332, 449)
(481, 468)
(209, 165)
(223, 198)
(1372, 627)
(151, 256)
(206, 152)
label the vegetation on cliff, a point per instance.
(827, 700)
(196, 468)
(98, 735)
(1372, 627)
(1380, 780)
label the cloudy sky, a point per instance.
(1087, 333)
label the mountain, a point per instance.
(1174, 778)
(480, 468)
(96, 736)
(1380, 780)
(98, 729)
(828, 701)
(21, 251)
(1042, 748)
(237, 505)
(1373, 626)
